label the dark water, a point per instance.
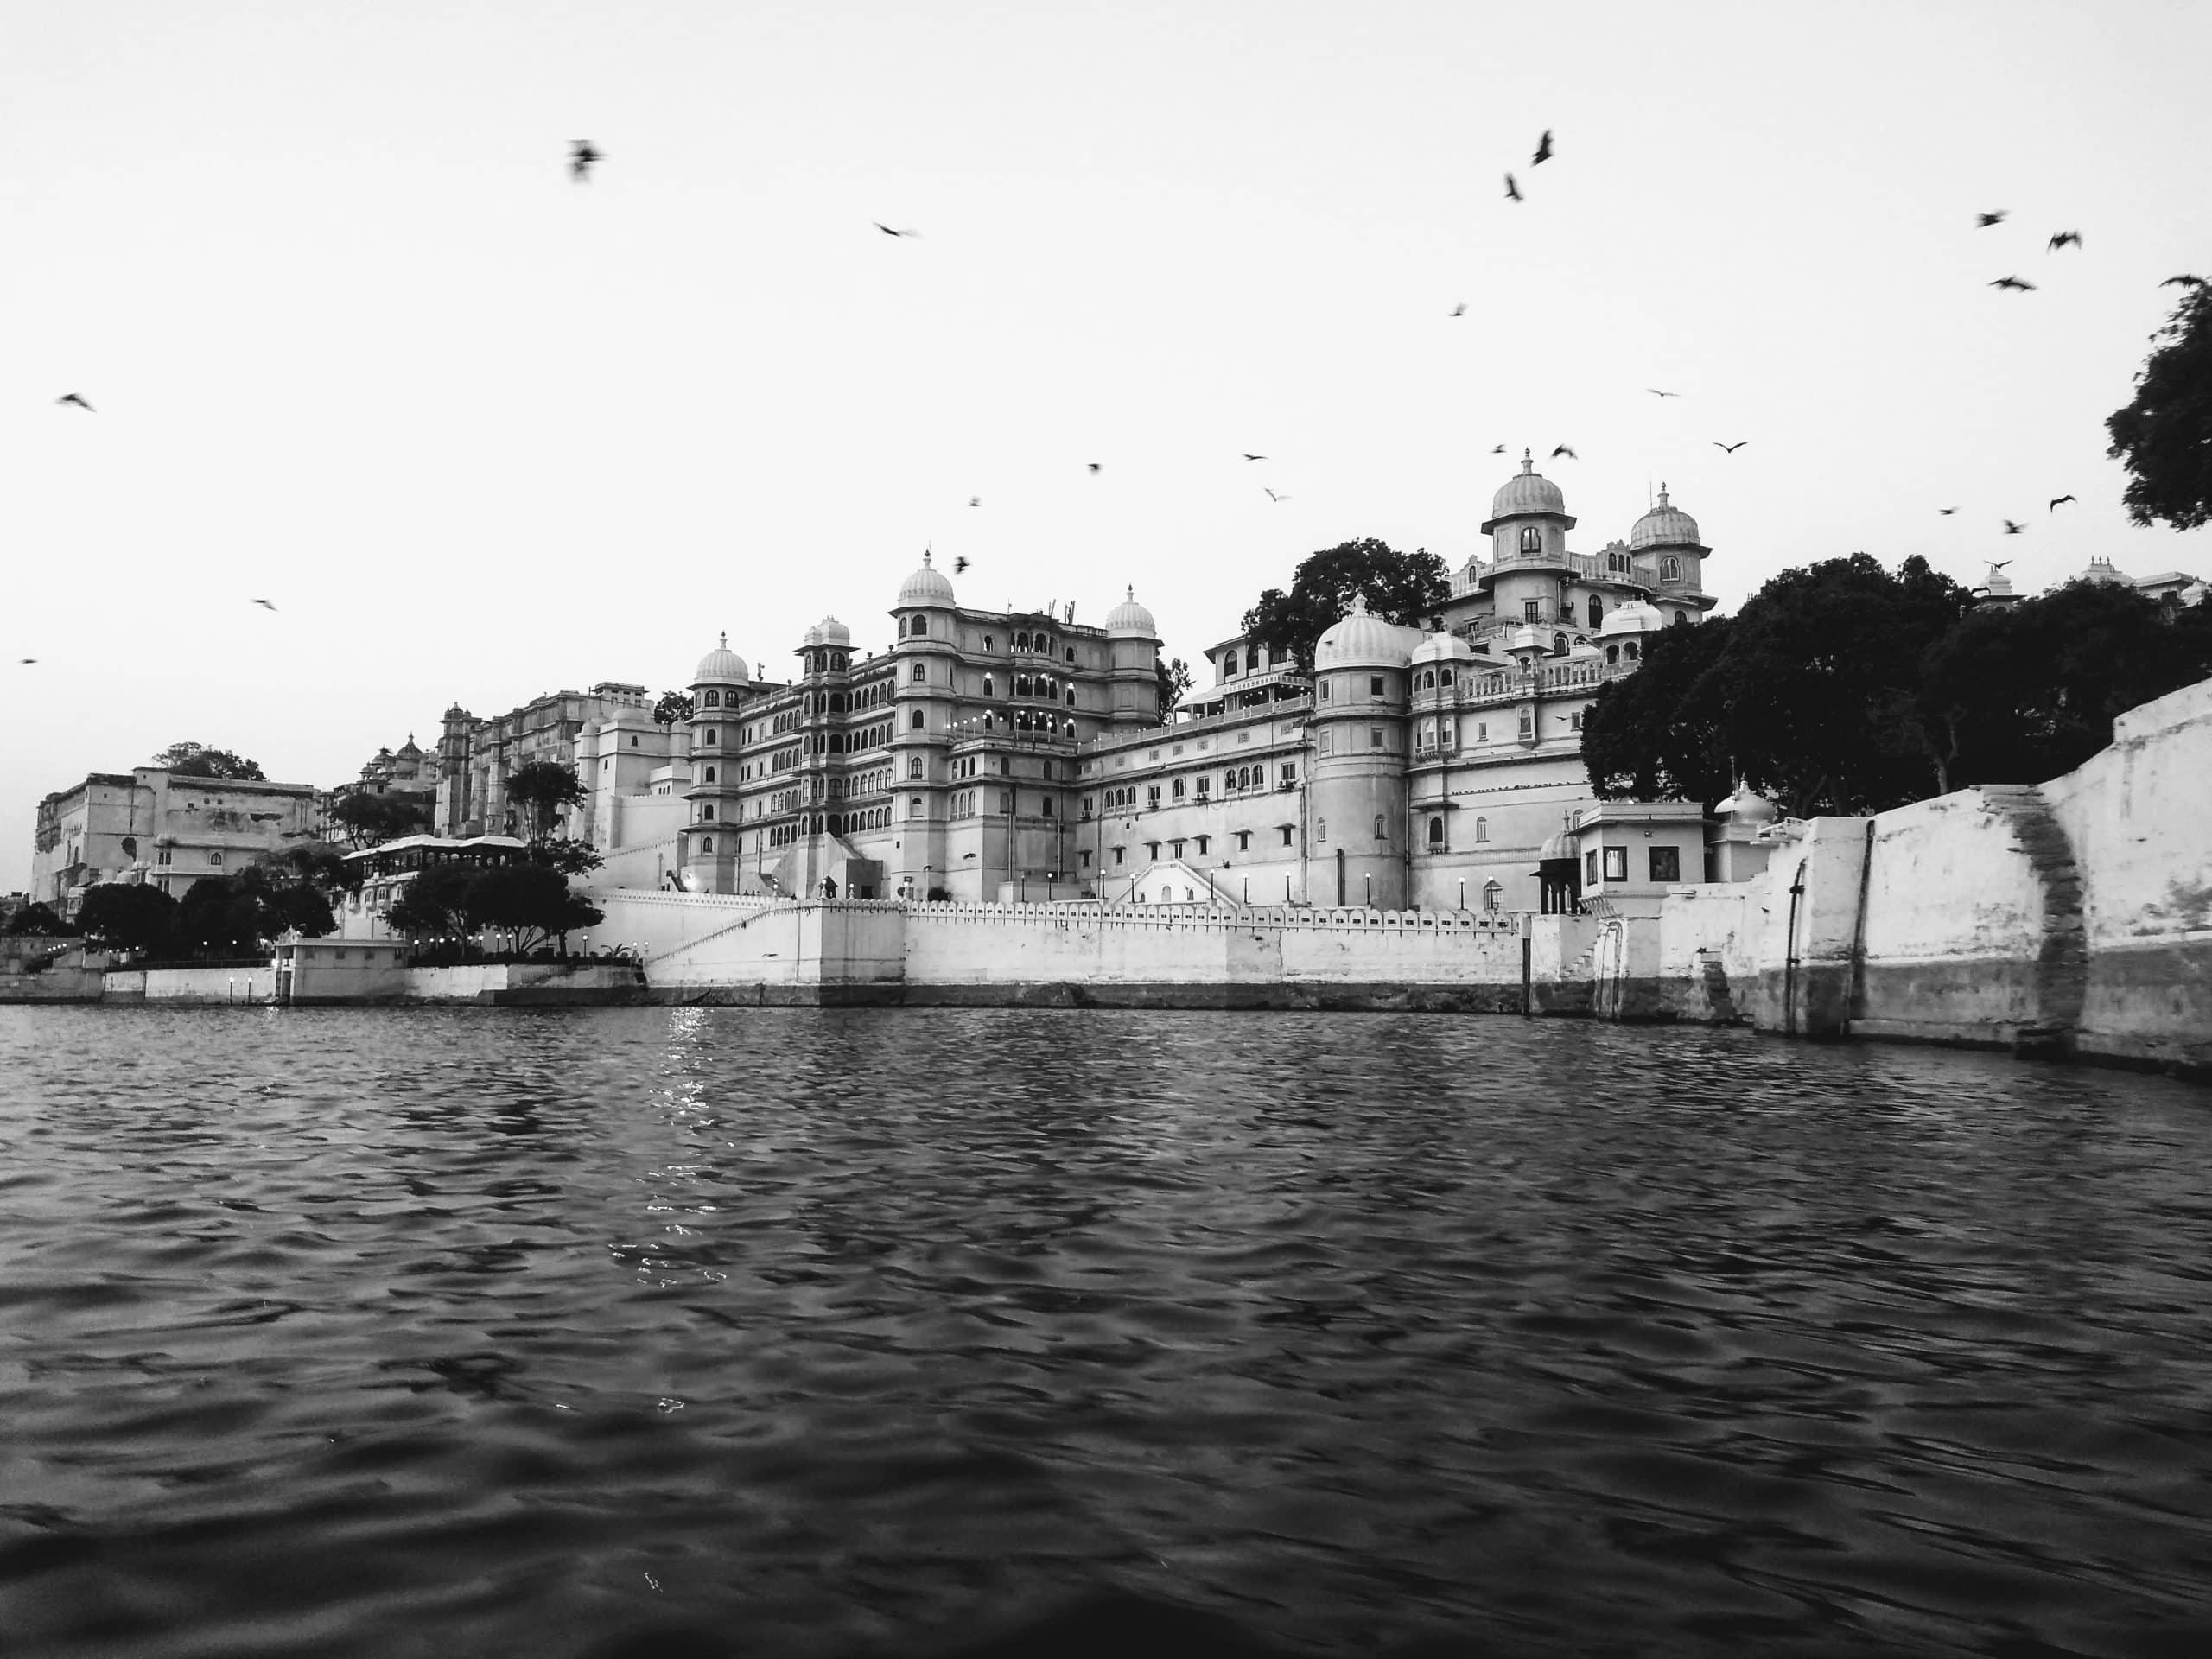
(707, 1331)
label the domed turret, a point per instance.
(722, 664)
(1442, 648)
(926, 586)
(1560, 845)
(1747, 806)
(830, 632)
(1131, 619)
(1635, 617)
(1527, 492)
(1362, 641)
(1665, 526)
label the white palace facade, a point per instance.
(989, 755)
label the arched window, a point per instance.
(1670, 568)
(1612, 653)
(921, 673)
(1428, 681)
(713, 699)
(1446, 675)
(707, 813)
(914, 767)
(1559, 644)
(986, 686)
(1071, 724)
(1532, 538)
(1379, 835)
(710, 735)
(1682, 616)
(914, 807)
(837, 662)
(918, 720)
(1482, 829)
(1632, 649)
(1229, 666)
(1493, 895)
(921, 626)
(1071, 697)
(1436, 832)
(1597, 610)
(710, 774)
(1021, 642)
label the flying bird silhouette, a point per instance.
(28, 661)
(1272, 496)
(888, 231)
(72, 397)
(2012, 529)
(1946, 512)
(1095, 466)
(1512, 190)
(2183, 281)
(1985, 220)
(1461, 309)
(1563, 450)
(2062, 239)
(1730, 448)
(2058, 501)
(2014, 282)
(1656, 392)
(1497, 449)
(1998, 564)
(1543, 149)
(264, 604)
(959, 564)
(581, 158)
(975, 500)
(1249, 455)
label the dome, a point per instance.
(408, 747)
(1362, 639)
(1746, 806)
(1131, 618)
(1529, 491)
(1529, 637)
(2102, 569)
(1584, 652)
(1561, 845)
(830, 632)
(1442, 648)
(926, 586)
(719, 663)
(1664, 526)
(1635, 617)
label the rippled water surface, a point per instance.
(705, 1331)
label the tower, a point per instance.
(708, 849)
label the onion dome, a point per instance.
(1362, 640)
(408, 747)
(926, 586)
(721, 664)
(1131, 619)
(1442, 647)
(1529, 491)
(1746, 806)
(1560, 845)
(828, 631)
(1635, 617)
(1665, 526)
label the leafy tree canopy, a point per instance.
(119, 916)
(231, 913)
(532, 901)
(38, 919)
(1174, 680)
(1660, 734)
(2163, 435)
(568, 856)
(197, 760)
(674, 707)
(370, 819)
(1403, 588)
(537, 791)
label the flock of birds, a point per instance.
(584, 155)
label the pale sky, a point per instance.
(358, 345)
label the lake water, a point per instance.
(703, 1331)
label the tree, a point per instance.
(568, 856)
(674, 709)
(531, 902)
(245, 911)
(1174, 681)
(2022, 693)
(1660, 734)
(315, 864)
(370, 819)
(38, 919)
(2163, 435)
(197, 760)
(435, 901)
(538, 790)
(118, 916)
(1407, 589)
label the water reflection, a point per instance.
(354, 1332)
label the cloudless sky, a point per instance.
(359, 346)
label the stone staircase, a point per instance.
(1718, 998)
(2062, 960)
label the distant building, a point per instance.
(162, 828)
(476, 757)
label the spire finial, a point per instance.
(724, 639)
(1133, 592)
(1528, 461)
(1662, 491)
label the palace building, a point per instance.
(992, 756)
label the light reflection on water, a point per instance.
(359, 1333)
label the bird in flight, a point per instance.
(1512, 190)
(1985, 220)
(888, 231)
(1730, 448)
(1249, 455)
(28, 661)
(2062, 239)
(264, 604)
(2183, 281)
(1095, 466)
(1563, 450)
(1272, 496)
(1656, 392)
(2012, 529)
(2014, 282)
(959, 564)
(581, 157)
(1998, 564)
(2058, 501)
(975, 500)
(72, 397)
(1461, 309)
(1497, 449)
(1946, 512)
(1543, 149)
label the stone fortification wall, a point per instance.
(36, 969)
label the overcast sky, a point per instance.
(359, 346)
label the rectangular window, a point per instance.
(1289, 773)
(1590, 867)
(1243, 840)
(1666, 863)
(1119, 852)
(1374, 685)
(1006, 802)
(1045, 804)
(1375, 737)
(1083, 854)
(1152, 851)
(1175, 848)
(1202, 840)
(1151, 795)
(1616, 863)
(1531, 611)
(1328, 742)
(1286, 835)
(1482, 731)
